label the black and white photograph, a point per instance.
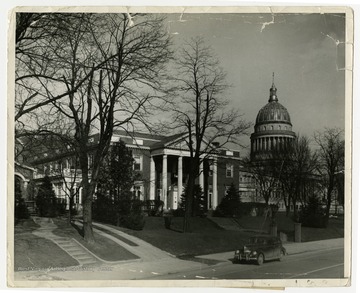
(191, 147)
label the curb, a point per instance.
(224, 256)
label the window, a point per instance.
(211, 170)
(137, 191)
(138, 163)
(229, 153)
(91, 160)
(229, 170)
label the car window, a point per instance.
(254, 240)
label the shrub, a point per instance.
(178, 212)
(198, 203)
(134, 221)
(247, 207)
(103, 210)
(61, 207)
(218, 212)
(313, 214)
(46, 199)
(230, 205)
(126, 212)
(21, 211)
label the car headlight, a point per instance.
(237, 252)
(253, 253)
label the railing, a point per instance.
(63, 173)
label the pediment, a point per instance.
(182, 143)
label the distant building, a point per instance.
(273, 128)
(160, 162)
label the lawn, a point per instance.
(103, 247)
(35, 253)
(207, 237)
(285, 224)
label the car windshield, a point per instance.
(255, 240)
(258, 240)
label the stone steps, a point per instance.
(76, 251)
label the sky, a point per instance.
(305, 52)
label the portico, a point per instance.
(169, 175)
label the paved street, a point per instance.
(317, 264)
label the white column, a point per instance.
(201, 175)
(80, 195)
(164, 180)
(152, 178)
(180, 177)
(214, 184)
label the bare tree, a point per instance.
(267, 170)
(70, 178)
(201, 110)
(331, 154)
(108, 69)
(299, 172)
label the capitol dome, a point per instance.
(273, 128)
(273, 112)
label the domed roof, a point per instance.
(273, 111)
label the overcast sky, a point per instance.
(305, 51)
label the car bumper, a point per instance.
(245, 257)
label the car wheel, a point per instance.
(282, 254)
(260, 259)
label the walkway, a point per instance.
(142, 249)
(69, 245)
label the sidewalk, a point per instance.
(291, 248)
(143, 250)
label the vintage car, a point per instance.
(259, 249)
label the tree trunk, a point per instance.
(328, 201)
(287, 210)
(87, 214)
(188, 205)
(189, 198)
(70, 207)
(87, 226)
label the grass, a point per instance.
(103, 247)
(285, 224)
(207, 237)
(35, 253)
